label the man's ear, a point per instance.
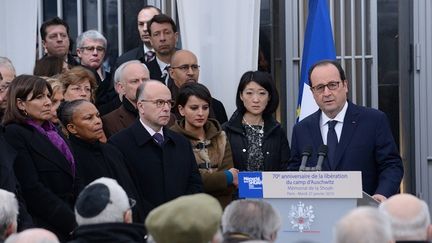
(127, 216)
(120, 88)
(429, 232)
(78, 51)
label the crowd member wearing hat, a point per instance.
(103, 212)
(187, 219)
(245, 220)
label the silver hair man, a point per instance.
(251, 219)
(8, 214)
(363, 225)
(409, 217)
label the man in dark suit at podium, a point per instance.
(358, 138)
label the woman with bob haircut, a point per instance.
(258, 141)
(79, 83)
(209, 142)
(44, 166)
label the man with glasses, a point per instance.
(91, 50)
(55, 39)
(358, 138)
(184, 68)
(161, 161)
(103, 212)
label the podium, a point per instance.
(309, 203)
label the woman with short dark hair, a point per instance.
(44, 166)
(209, 142)
(258, 141)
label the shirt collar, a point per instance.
(150, 130)
(339, 117)
(162, 64)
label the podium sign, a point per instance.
(310, 203)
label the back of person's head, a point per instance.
(35, 235)
(48, 66)
(51, 22)
(103, 201)
(409, 217)
(251, 220)
(187, 219)
(363, 225)
(8, 214)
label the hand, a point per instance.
(234, 173)
(380, 198)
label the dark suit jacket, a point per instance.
(120, 118)
(46, 179)
(155, 72)
(366, 144)
(161, 173)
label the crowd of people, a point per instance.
(91, 154)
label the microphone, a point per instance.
(322, 153)
(305, 156)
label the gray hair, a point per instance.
(114, 211)
(255, 218)
(363, 225)
(413, 228)
(66, 110)
(7, 63)
(118, 75)
(33, 235)
(8, 210)
(92, 35)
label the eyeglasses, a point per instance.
(3, 88)
(185, 68)
(160, 103)
(91, 49)
(332, 85)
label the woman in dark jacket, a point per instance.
(258, 142)
(44, 166)
(93, 158)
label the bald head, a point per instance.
(184, 67)
(409, 217)
(363, 225)
(154, 104)
(35, 235)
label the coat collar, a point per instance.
(142, 136)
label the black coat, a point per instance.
(96, 160)
(109, 233)
(162, 173)
(134, 54)
(46, 179)
(275, 143)
(8, 181)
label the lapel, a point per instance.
(140, 134)
(315, 131)
(349, 126)
(155, 72)
(45, 148)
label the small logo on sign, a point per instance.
(301, 217)
(254, 183)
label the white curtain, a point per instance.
(224, 35)
(18, 26)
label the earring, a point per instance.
(25, 112)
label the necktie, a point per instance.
(332, 142)
(165, 75)
(158, 138)
(149, 56)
